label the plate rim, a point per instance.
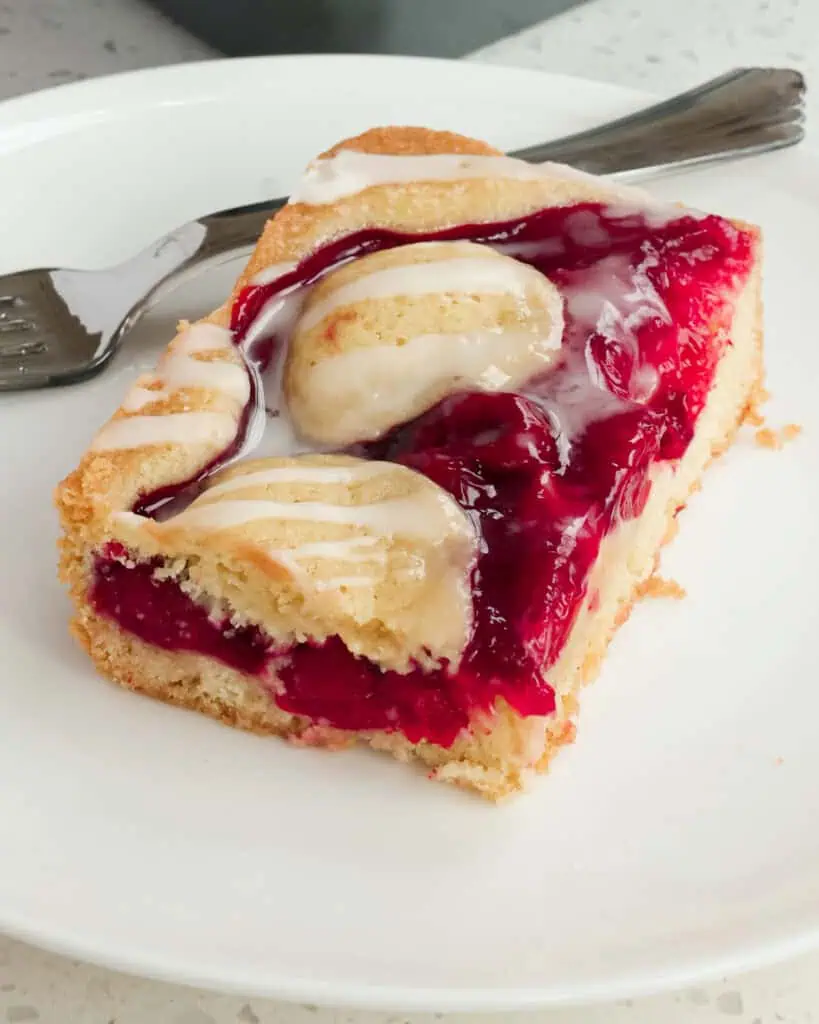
(77, 95)
(368, 997)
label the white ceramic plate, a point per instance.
(677, 839)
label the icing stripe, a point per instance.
(272, 273)
(346, 550)
(297, 474)
(277, 316)
(138, 397)
(349, 172)
(180, 371)
(424, 515)
(480, 274)
(203, 337)
(211, 428)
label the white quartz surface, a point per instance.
(660, 45)
(667, 45)
(49, 42)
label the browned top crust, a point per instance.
(406, 140)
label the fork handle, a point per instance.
(747, 111)
(750, 110)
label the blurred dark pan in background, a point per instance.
(438, 28)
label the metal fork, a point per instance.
(61, 326)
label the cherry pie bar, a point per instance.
(405, 484)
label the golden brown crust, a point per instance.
(767, 437)
(410, 140)
(178, 679)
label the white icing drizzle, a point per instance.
(139, 396)
(584, 228)
(185, 372)
(298, 474)
(202, 337)
(426, 515)
(612, 299)
(355, 549)
(523, 250)
(655, 213)
(575, 401)
(130, 520)
(476, 275)
(351, 549)
(272, 273)
(285, 559)
(608, 298)
(180, 369)
(270, 430)
(278, 315)
(349, 172)
(595, 295)
(210, 428)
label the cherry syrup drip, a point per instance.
(546, 473)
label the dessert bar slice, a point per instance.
(405, 483)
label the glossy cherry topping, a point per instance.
(547, 473)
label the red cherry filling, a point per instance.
(546, 474)
(155, 608)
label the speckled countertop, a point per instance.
(642, 43)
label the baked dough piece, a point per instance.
(670, 348)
